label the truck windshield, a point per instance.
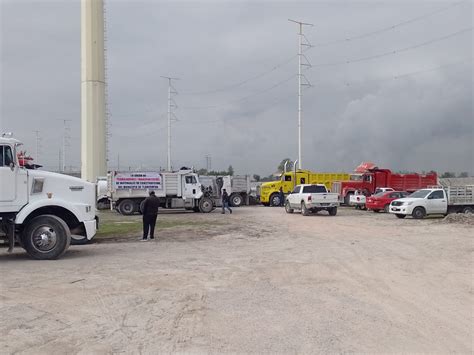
(420, 193)
(314, 189)
(191, 179)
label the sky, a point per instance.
(392, 83)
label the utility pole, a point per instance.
(66, 137)
(208, 162)
(303, 42)
(38, 142)
(171, 116)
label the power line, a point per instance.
(240, 99)
(231, 86)
(396, 51)
(389, 28)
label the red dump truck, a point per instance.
(375, 178)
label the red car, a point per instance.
(381, 201)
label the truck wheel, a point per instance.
(418, 213)
(288, 209)
(347, 198)
(103, 204)
(46, 237)
(205, 205)
(332, 211)
(401, 216)
(467, 210)
(126, 207)
(304, 210)
(142, 206)
(386, 208)
(79, 239)
(275, 200)
(236, 200)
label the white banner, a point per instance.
(138, 181)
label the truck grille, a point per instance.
(397, 203)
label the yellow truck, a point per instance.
(269, 191)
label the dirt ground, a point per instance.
(257, 281)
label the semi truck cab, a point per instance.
(42, 211)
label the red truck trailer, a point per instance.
(374, 178)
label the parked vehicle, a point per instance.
(311, 199)
(438, 200)
(269, 191)
(375, 178)
(238, 187)
(358, 200)
(381, 201)
(41, 211)
(180, 189)
(103, 202)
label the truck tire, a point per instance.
(103, 204)
(236, 200)
(386, 208)
(79, 239)
(46, 237)
(467, 210)
(401, 216)
(419, 213)
(347, 198)
(275, 200)
(142, 206)
(126, 207)
(304, 210)
(205, 205)
(288, 209)
(332, 211)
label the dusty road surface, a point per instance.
(258, 280)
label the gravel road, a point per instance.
(259, 281)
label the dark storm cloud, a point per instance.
(354, 112)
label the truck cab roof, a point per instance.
(8, 140)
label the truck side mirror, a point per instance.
(12, 166)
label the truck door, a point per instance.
(8, 186)
(293, 197)
(287, 182)
(190, 186)
(437, 202)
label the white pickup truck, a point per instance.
(454, 199)
(312, 199)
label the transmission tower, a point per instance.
(171, 116)
(66, 144)
(208, 162)
(302, 80)
(38, 145)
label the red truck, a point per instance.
(374, 178)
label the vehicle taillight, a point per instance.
(309, 198)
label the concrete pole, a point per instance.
(93, 127)
(169, 125)
(300, 52)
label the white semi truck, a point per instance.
(238, 188)
(180, 189)
(43, 212)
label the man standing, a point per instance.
(282, 197)
(225, 201)
(150, 212)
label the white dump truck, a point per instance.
(103, 202)
(43, 212)
(180, 189)
(238, 188)
(435, 200)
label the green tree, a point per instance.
(464, 174)
(230, 170)
(281, 166)
(256, 177)
(448, 174)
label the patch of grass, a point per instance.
(123, 228)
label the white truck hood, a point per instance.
(408, 199)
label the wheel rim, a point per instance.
(468, 211)
(44, 238)
(418, 213)
(236, 200)
(128, 207)
(276, 200)
(206, 205)
(287, 207)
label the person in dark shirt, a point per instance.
(150, 213)
(282, 197)
(225, 201)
